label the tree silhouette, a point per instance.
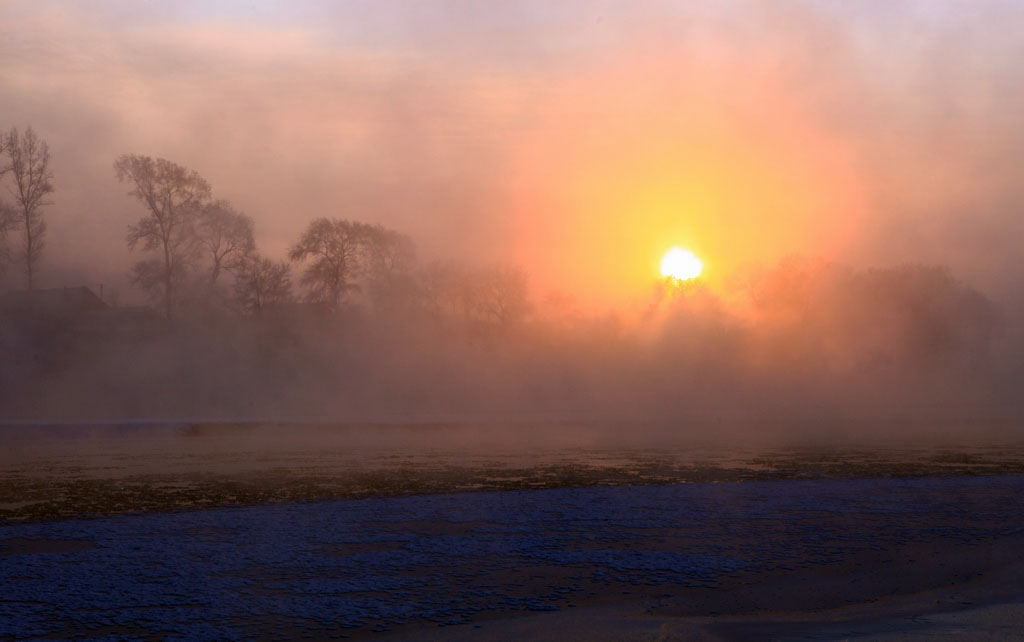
(8, 222)
(388, 259)
(225, 235)
(501, 293)
(260, 282)
(490, 296)
(173, 196)
(33, 180)
(335, 248)
(8, 213)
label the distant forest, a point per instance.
(351, 325)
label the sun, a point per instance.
(681, 264)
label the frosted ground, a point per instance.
(67, 471)
(353, 536)
(342, 568)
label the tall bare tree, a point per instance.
(8, 213)
(5, 163)
(33, 180)
(8, 221)
(387, 252)
(335, 250)
(439, 286)
(389, 258)
(260, 282)
(173, 197)
(226, 236)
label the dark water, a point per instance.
(338, 568)
(344, 530)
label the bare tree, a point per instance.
(8, 221)
(335, 248)
(439, 288)
(388, 261)
(173, 197)
(8, 213)
(226, 236)
(260, 282)
(481, 296)
(33, 180)
(387, 252)
(4, 165)
(501, 294)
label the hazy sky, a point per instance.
(579, 139)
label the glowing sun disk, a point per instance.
(681, 264)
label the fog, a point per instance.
(847, 172)
(819, 349)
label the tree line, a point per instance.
(200, 250)
(191, 241)
(197, 248)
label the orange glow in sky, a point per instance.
(577, 143)
(740, 174)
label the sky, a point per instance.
(580, 139)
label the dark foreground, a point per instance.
(877, 558)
